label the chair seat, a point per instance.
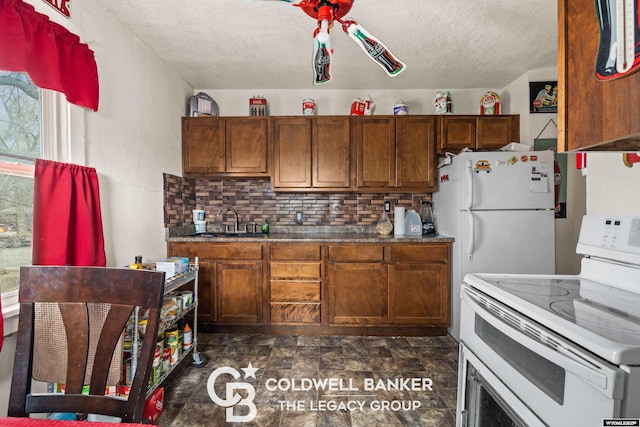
(35, 422)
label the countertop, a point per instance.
(315, 237)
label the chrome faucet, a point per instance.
(235, 214)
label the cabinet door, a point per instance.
(357, 293)
(592, 112)
(292, 152)
(246, 148)
(495, 132)
(375, 152)
(415, 153)
(202, 145)
(331, 153)
(456, 133)
(419, 294)
(239, 292)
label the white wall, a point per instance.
(612, 187)
(131, 140)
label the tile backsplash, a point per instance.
(255, 202)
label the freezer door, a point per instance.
(508, 242)
(506, 180)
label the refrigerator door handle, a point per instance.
(472, 234)
(469, 179)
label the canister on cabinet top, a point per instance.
(308, 107)
(257, 106)
(400, 108)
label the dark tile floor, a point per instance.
(350, 365)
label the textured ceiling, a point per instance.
(267, 44)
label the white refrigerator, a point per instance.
(499, 207)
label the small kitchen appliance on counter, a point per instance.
(556, 350)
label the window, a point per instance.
(20, 144)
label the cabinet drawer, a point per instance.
(295, 313)
(297, 270)
(295, 290)
(309, 252)
(356, 253)
(223, 251)
(426, 252)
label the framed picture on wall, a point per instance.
(543, 97)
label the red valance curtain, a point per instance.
(53, 57)
(67, 221)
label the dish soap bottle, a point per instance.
(428, 221)
(384, 225)
(412, 224)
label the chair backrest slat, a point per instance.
(114, 324)
(76, 324)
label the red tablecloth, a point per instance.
(33, 422)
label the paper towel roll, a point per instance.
(398, 221)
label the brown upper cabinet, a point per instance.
(231, 146)
(375, 139)
(395, 153)
(337, 153)
(592, 114)
(477, 132)
(311, 153)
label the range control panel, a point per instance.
(610, 236)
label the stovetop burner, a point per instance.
(602, 320)
(541, 287)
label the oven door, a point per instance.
(560, 383)
(483, 400)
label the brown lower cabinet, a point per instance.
(416, 291)
(229, 282)
(239, 291)
(295, 273)
(357, 284)
(322, 288)
(400, 284)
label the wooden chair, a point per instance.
(76, 290)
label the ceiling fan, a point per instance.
(326, 12)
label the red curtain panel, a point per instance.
(67, 220)
(53, 57)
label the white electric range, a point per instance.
(556, 349)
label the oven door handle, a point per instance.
(558, 354)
